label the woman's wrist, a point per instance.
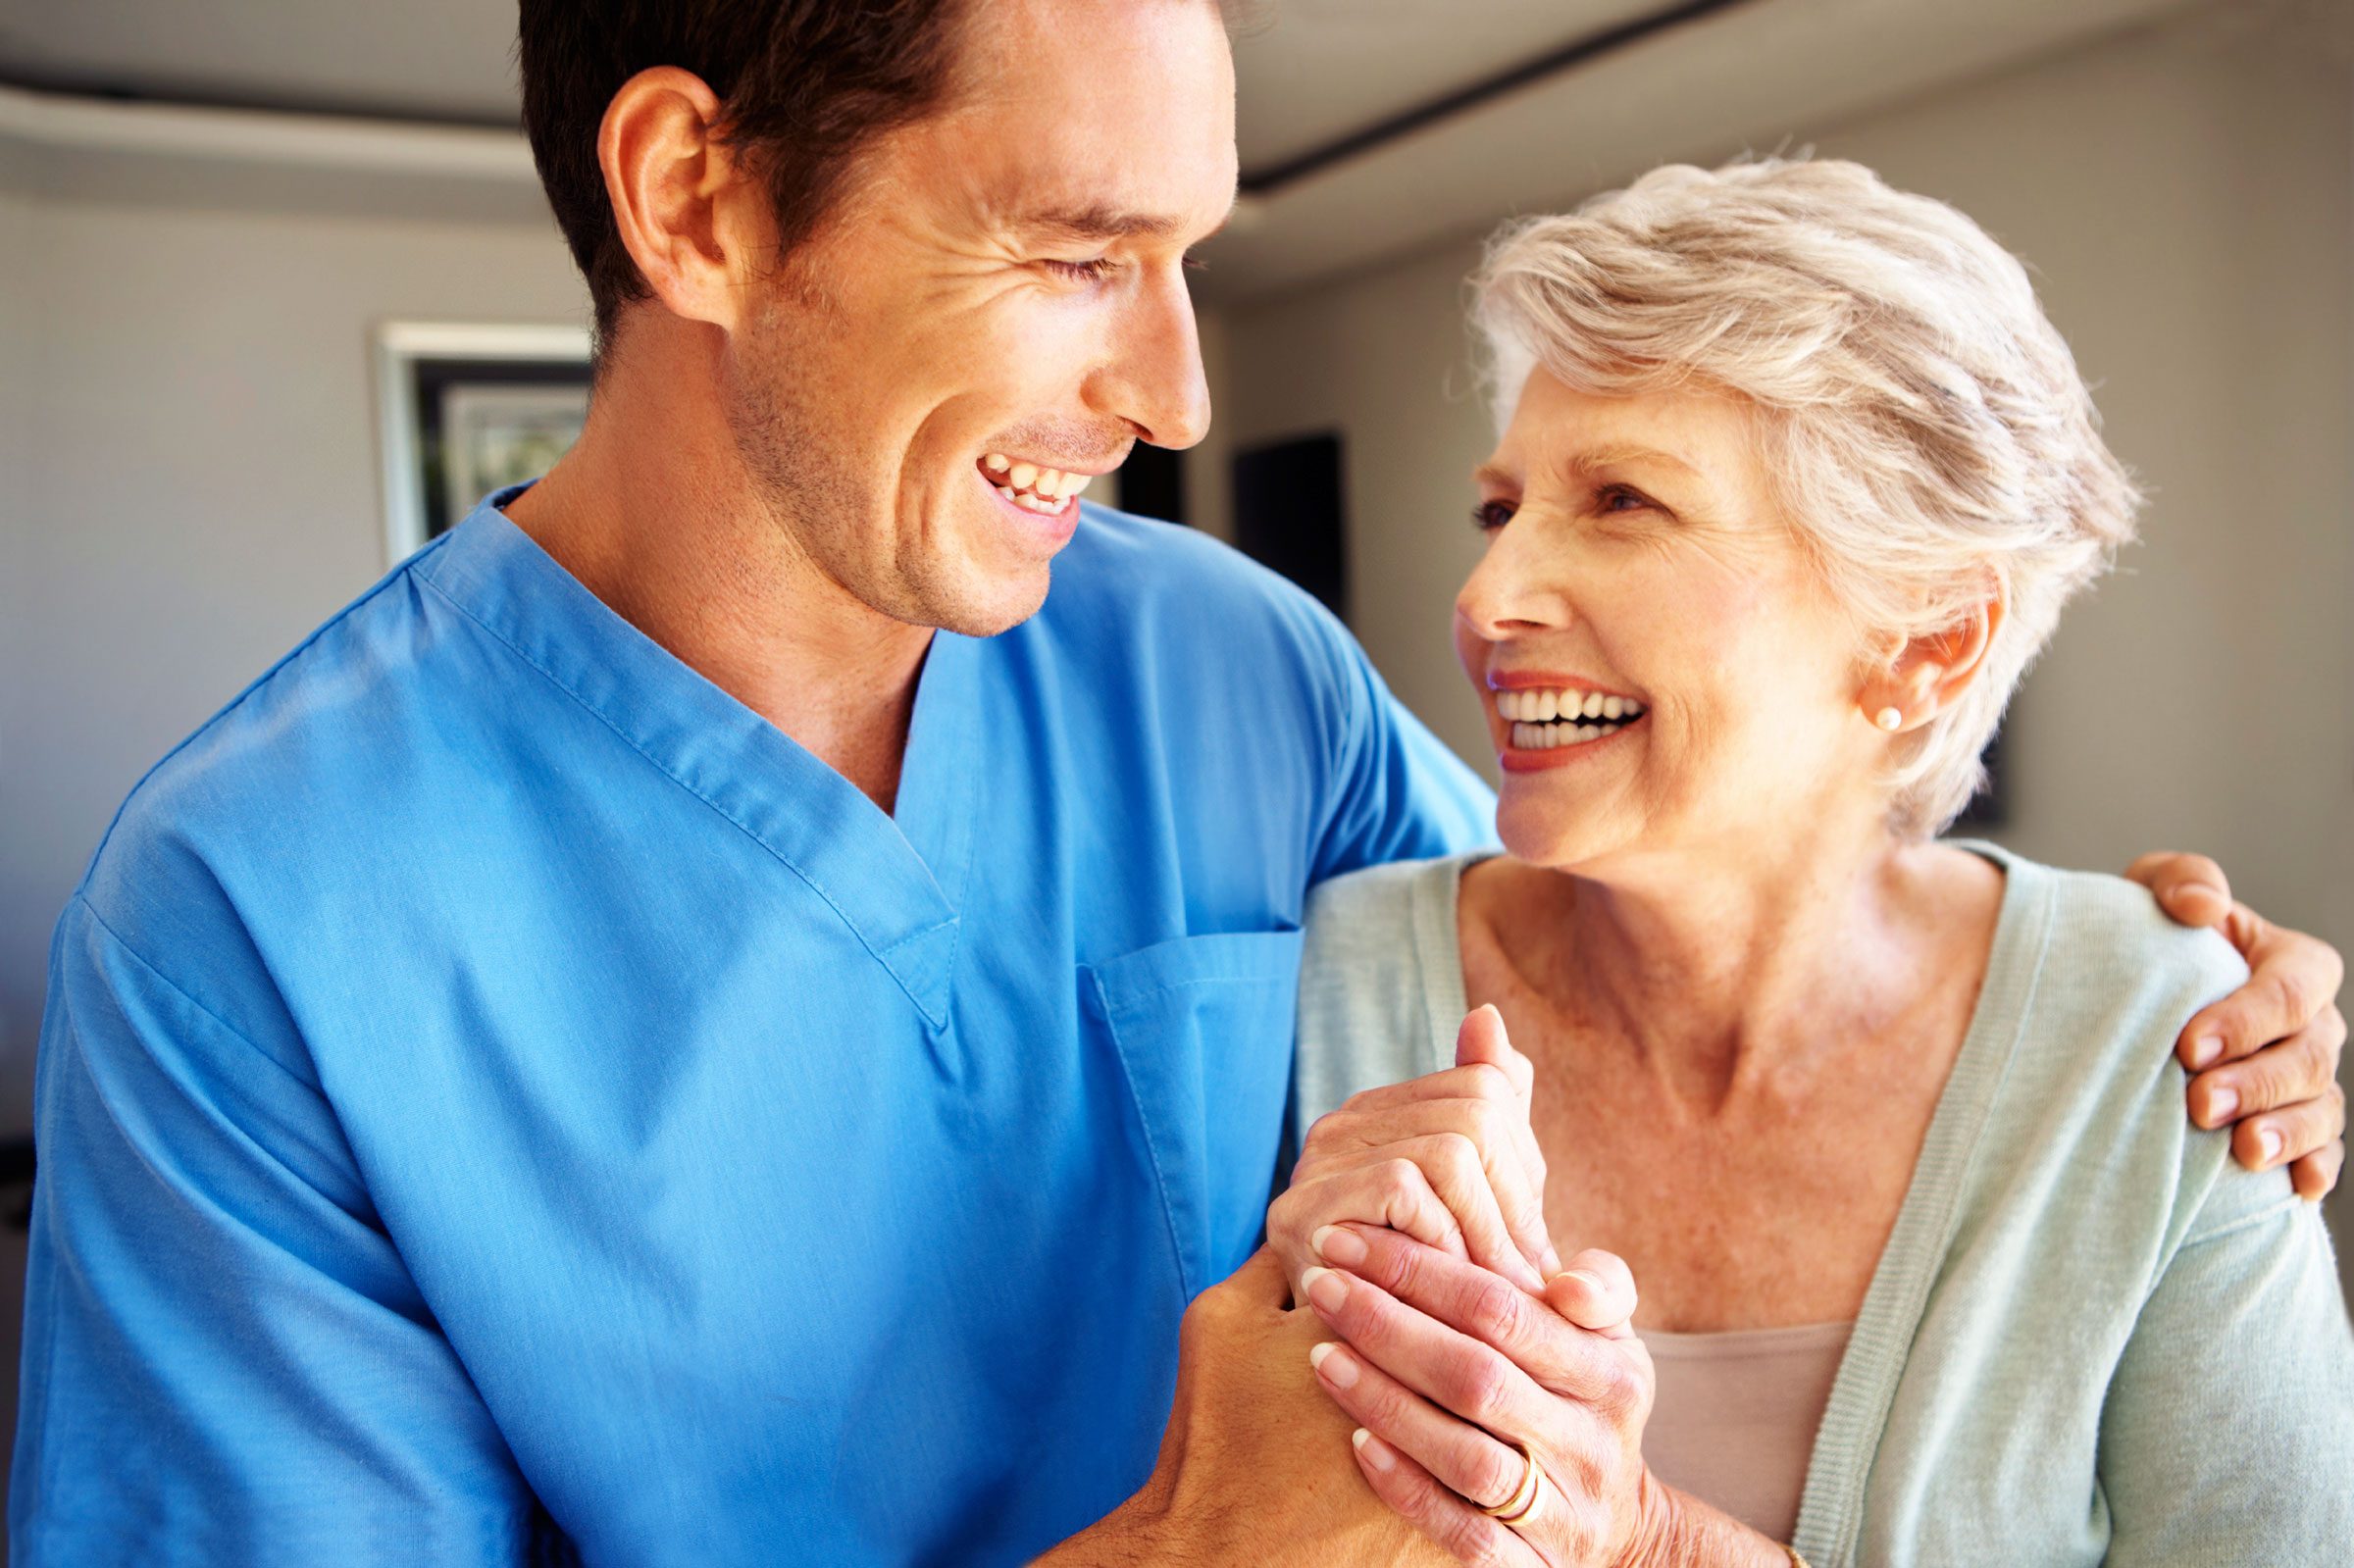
(1676, 1531)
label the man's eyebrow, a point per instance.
(1099, 221)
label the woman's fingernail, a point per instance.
(2270, 1141)
(1376, 1452)
(1336, 1245)
(2204, 1050)
(1325, 1288)
(2223, 1105)
(1335, 1364)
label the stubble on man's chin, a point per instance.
(805, 465)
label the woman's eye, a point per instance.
(1618, 498)
(1094, 269)
(1489, 516)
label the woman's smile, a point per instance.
(1555, 723)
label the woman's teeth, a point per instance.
(1544, 736)
(1029, 487)
(1543, 720)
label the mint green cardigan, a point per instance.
(2092, 1338)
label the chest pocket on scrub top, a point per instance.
(1202, 1026)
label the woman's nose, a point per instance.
(1508, 592)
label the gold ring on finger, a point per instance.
(1521, 1507)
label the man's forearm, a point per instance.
(1138, 1534)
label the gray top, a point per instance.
(2092, 1337)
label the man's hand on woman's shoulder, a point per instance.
(2266, 1056)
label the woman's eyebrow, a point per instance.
(1625, 457)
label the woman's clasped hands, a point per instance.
(1500, 1395)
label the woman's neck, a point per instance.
(1730, 973)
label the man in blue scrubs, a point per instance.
(695, 1022)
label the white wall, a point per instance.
(199, 489)
(2186, 195)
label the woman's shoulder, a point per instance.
(1380, 963)
(1368, 912)
(2110, 961)
(2108, 982)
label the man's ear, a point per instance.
(1930, 672)
(691, 220)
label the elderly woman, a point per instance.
(1796, 480)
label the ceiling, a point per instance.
(1307, 71)
(314, 100)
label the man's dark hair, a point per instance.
(803, 86)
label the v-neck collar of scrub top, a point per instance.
(896, 880)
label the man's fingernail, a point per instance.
(1325, 1288)
(2269, 1141)
(1336, 1245)
(1335, 1364)
(1376, 1452)
(2223, 1105)
(2204, 1050)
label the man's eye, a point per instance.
(1489, 516)
(1094, 269)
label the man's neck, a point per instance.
(652, 511)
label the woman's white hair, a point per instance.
(1926, 426)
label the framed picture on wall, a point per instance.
(464, 408)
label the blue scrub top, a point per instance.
(501, 1097)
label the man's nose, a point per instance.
(1154, 379)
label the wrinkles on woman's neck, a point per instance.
(1731, 974)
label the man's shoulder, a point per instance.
(339, 709)
(1168, 578)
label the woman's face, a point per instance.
(1637, 563)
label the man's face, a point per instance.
(1001, 290)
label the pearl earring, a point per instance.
(1889, 719)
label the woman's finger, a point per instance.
(1456, 1371)
(1391, 1194)
(1458, 1170)
(1527, 1333)
(1466, 1460)
(1453, 1157)
(1482, 1039)
(1478, 1098)
(1596, 1291)
(1456, 1528)
(2292, 981)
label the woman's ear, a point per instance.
(1930, 673)
(685, 211)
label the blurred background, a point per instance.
(277, 283)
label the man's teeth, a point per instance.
(1543, 720)
(1029, 487)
